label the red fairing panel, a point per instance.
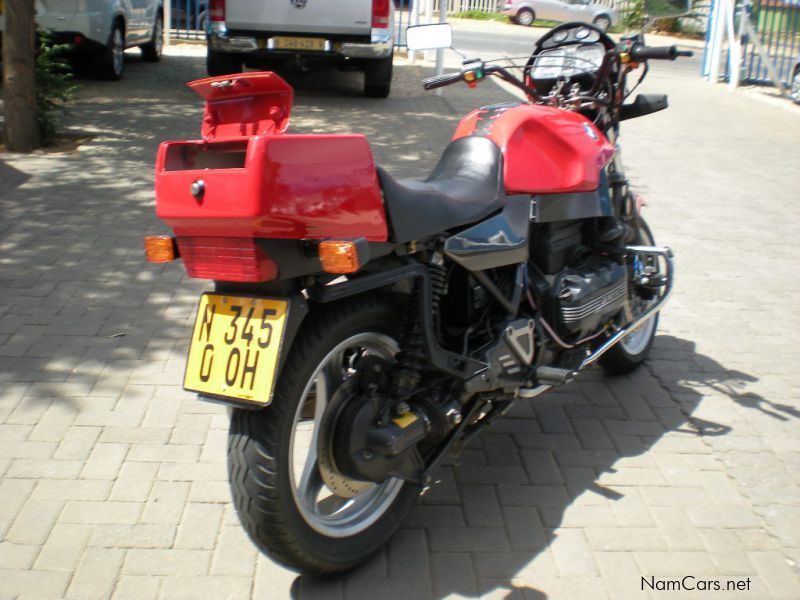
(273, 186)
(546, 150)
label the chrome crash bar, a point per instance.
(666, 254)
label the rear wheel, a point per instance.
(795, 87)
(278, 489)
(525, 17)
(151, 51)
(632, 351)
(112, 61)
(602, 22)
(222, 63)
(378, 78)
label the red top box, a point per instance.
(247, 178)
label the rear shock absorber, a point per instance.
(411, 358)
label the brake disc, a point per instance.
(339, 484)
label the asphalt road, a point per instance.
(515, 41)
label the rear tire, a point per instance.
(525, 17)
(111, 63)
(602, 22)
(151, 51)
(270, 494)
(378, 78)
(632, 351)
(222, 63)
(795, 85)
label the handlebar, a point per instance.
(437, 81)
(640, 53)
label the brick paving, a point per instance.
(113, 481)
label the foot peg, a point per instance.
(554, 376)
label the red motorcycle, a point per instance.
(364, 328)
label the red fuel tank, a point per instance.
(546, 150)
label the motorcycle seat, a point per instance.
(464, 187)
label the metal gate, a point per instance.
(187, 19)
(777, 23)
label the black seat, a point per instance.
(464, 187)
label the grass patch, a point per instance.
(481, 16)
(548, 24)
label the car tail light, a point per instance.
(226, 259)
(380, 13)
(216, 10)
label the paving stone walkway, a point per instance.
(113, 480)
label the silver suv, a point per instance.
(101, 30)
(263, 33)
(525, 12)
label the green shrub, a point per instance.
(633, 15)
(54, 87)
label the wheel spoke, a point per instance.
(324, 386)
(320, 506)
(310, 483)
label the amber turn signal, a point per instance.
(339, 256)
(159, 248)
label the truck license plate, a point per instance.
(298, 43)
(235, 347)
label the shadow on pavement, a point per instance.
(82, 314)
(510, 495)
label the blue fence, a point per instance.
(188, 19)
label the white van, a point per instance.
(101, 30)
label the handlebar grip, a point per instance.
(639, 53)
(437, 81)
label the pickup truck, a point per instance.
(263, 33)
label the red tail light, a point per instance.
(226, 259)
(216, 10)
(380, 13)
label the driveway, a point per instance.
(113, 481)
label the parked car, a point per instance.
(101, 30)
(265, 33)
(525, 12)
(795, 82)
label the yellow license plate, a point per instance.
(298, 43)
(235, 347)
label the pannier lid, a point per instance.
(243, 105)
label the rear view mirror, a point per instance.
(662, 9)
(429, 37)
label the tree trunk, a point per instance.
(19, 77)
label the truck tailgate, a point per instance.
(346, 17)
